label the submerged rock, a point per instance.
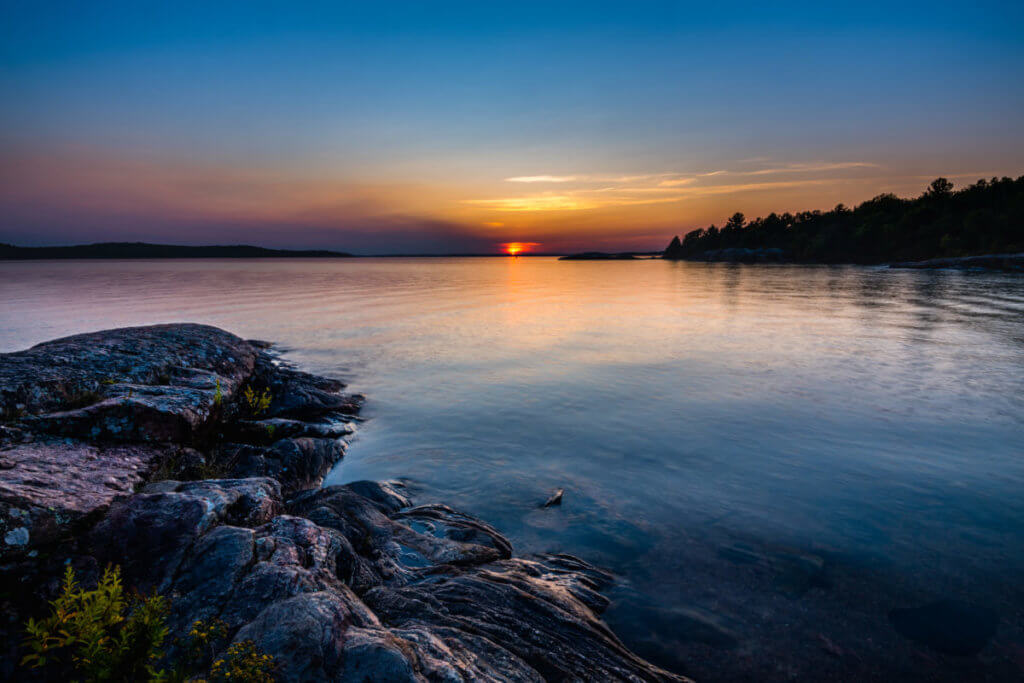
(948, 626)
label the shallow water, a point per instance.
(771, 457)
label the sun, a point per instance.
(516, 248)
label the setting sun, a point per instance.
(516, 248)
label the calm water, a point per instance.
(770, 457)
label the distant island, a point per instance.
(142, 250)
(984, 218)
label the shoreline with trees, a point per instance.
(942, 223)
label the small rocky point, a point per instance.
(138, 447)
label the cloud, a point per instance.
(655, 188)
(576, 201)
(542, 179)
(810, 168)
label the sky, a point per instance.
(388, 128)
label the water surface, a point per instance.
(770, 457)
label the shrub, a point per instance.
(243, 662)
(257, 402)
(101, 634)
(203, 640)
(104, 636)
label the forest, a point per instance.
(984, 218)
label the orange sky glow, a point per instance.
(101, 195)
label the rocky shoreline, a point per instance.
(1008, 262)
(194, 459)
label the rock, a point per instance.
(299, 464)
(675, 251)
(49, 487)
(948, 626)
(1010, 262)
(150, 534)
(149, 414)
(73, 372)
(266, 432)
(339, 601)
(17, 536)
(302, 395)
(555, 499)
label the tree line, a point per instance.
(984, 218)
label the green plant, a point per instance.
(102, 634)
(270, 430)
(244, 661)
(257, 402)
(218, 395)
(203, 639)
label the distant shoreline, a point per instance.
(143, 250)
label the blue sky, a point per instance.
(398, 127)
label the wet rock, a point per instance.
(948, 626)
(266, 432)
(555, 499)
(1010, 262)
(528, 608)
(299, 464)
(387, 495)
(301, 395)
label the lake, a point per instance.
(771, 458)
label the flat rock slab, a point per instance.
(45, 487)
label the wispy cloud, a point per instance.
(542, 179)
(576, 201)
(810, 168)
(589, 191)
